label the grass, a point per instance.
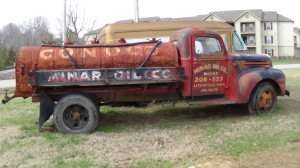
(149, 137)
(285, 61)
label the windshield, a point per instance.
(238, 44)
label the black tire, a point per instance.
(76, 114)
(263, 99)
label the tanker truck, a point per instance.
(71, 82)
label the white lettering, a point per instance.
(156, 74)
(134, 76)
(96, 75)
(119, 75)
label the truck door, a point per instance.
(209, 67)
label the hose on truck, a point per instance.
(157, 43)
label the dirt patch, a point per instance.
(287, 156)
(127, 147)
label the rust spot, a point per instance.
(246, 81)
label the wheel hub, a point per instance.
(76, 116)
(266, 100)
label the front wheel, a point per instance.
(76, 114)
(263, 99)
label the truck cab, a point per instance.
(214, 76)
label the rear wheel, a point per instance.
(76, 114)
(263, 99)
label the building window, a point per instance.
(268, 39)
(244, 27)
(268, 26)
(251, 27)
(247, 27)
(251, 40)
(270, 52)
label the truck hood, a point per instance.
(245, 61)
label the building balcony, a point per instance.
(248, 32)
(251, 45)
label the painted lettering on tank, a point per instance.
(46, 54)
(134, 50)
(112, 51)
(64, 55)
(89, 52)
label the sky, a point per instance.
(110, 11)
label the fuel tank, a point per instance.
(55, 57)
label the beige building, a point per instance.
(296, 37)
(264, 32)
(297, 42)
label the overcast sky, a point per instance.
(109, 11)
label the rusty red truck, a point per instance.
(71, 82)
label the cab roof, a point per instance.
(148, 26)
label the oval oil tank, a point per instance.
(90, 57)
(118, 56)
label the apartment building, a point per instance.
(264, 32)
(297, 42)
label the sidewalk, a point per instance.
(7, 83)
(287, 66)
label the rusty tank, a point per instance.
(119, 55)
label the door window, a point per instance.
(207, 46)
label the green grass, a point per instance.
(285, 61)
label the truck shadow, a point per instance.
(138, 117)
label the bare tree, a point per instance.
(76, 23)
(37, 32)
(11, 37)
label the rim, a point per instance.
(266, 101)
(75, 117)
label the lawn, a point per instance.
(149, 137)
(285, 61)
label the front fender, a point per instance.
(247, 80)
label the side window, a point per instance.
(225, 39)
(207, 46)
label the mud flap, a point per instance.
(46, 108)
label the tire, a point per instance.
(263, 99)
(76, 114)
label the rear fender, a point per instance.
(246, 81)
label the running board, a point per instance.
(212, 102)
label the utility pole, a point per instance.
(136, 11)
(64, 34)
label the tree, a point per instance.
(37, 32)
(13, 36)
(76, 23)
